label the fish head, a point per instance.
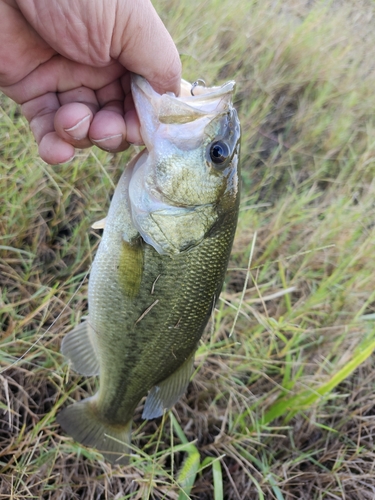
(188, 174)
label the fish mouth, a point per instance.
(155, 109)
(202, 95)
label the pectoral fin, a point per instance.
(164, 395)
(79, 346)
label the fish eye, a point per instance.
(219, 152)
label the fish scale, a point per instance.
(191, 309)
(160, 266)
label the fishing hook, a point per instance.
(195, 84)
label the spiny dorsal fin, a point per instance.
(99, 224)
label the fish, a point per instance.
(160, 265)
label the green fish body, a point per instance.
(160, 265)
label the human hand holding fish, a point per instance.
(68, 64)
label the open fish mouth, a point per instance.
(186, 107)
(167, 112)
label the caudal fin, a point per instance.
(81, 422)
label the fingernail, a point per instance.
(66, 161)
(111, 142)
(80, 130)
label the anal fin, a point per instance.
(79, 347)
(164, 395)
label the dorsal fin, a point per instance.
(99, 224)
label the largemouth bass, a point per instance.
(160, 265)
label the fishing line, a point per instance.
(51, 325)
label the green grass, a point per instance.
(281, 405)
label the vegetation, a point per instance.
(282, 404)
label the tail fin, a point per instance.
(82, 423)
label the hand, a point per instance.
(68, 64)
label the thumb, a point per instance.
(142, 44)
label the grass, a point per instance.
(281, 405)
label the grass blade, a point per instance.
(191, 465)
(218, 480)
(306, 398)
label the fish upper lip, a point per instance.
(213, 92)
(207, 93)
